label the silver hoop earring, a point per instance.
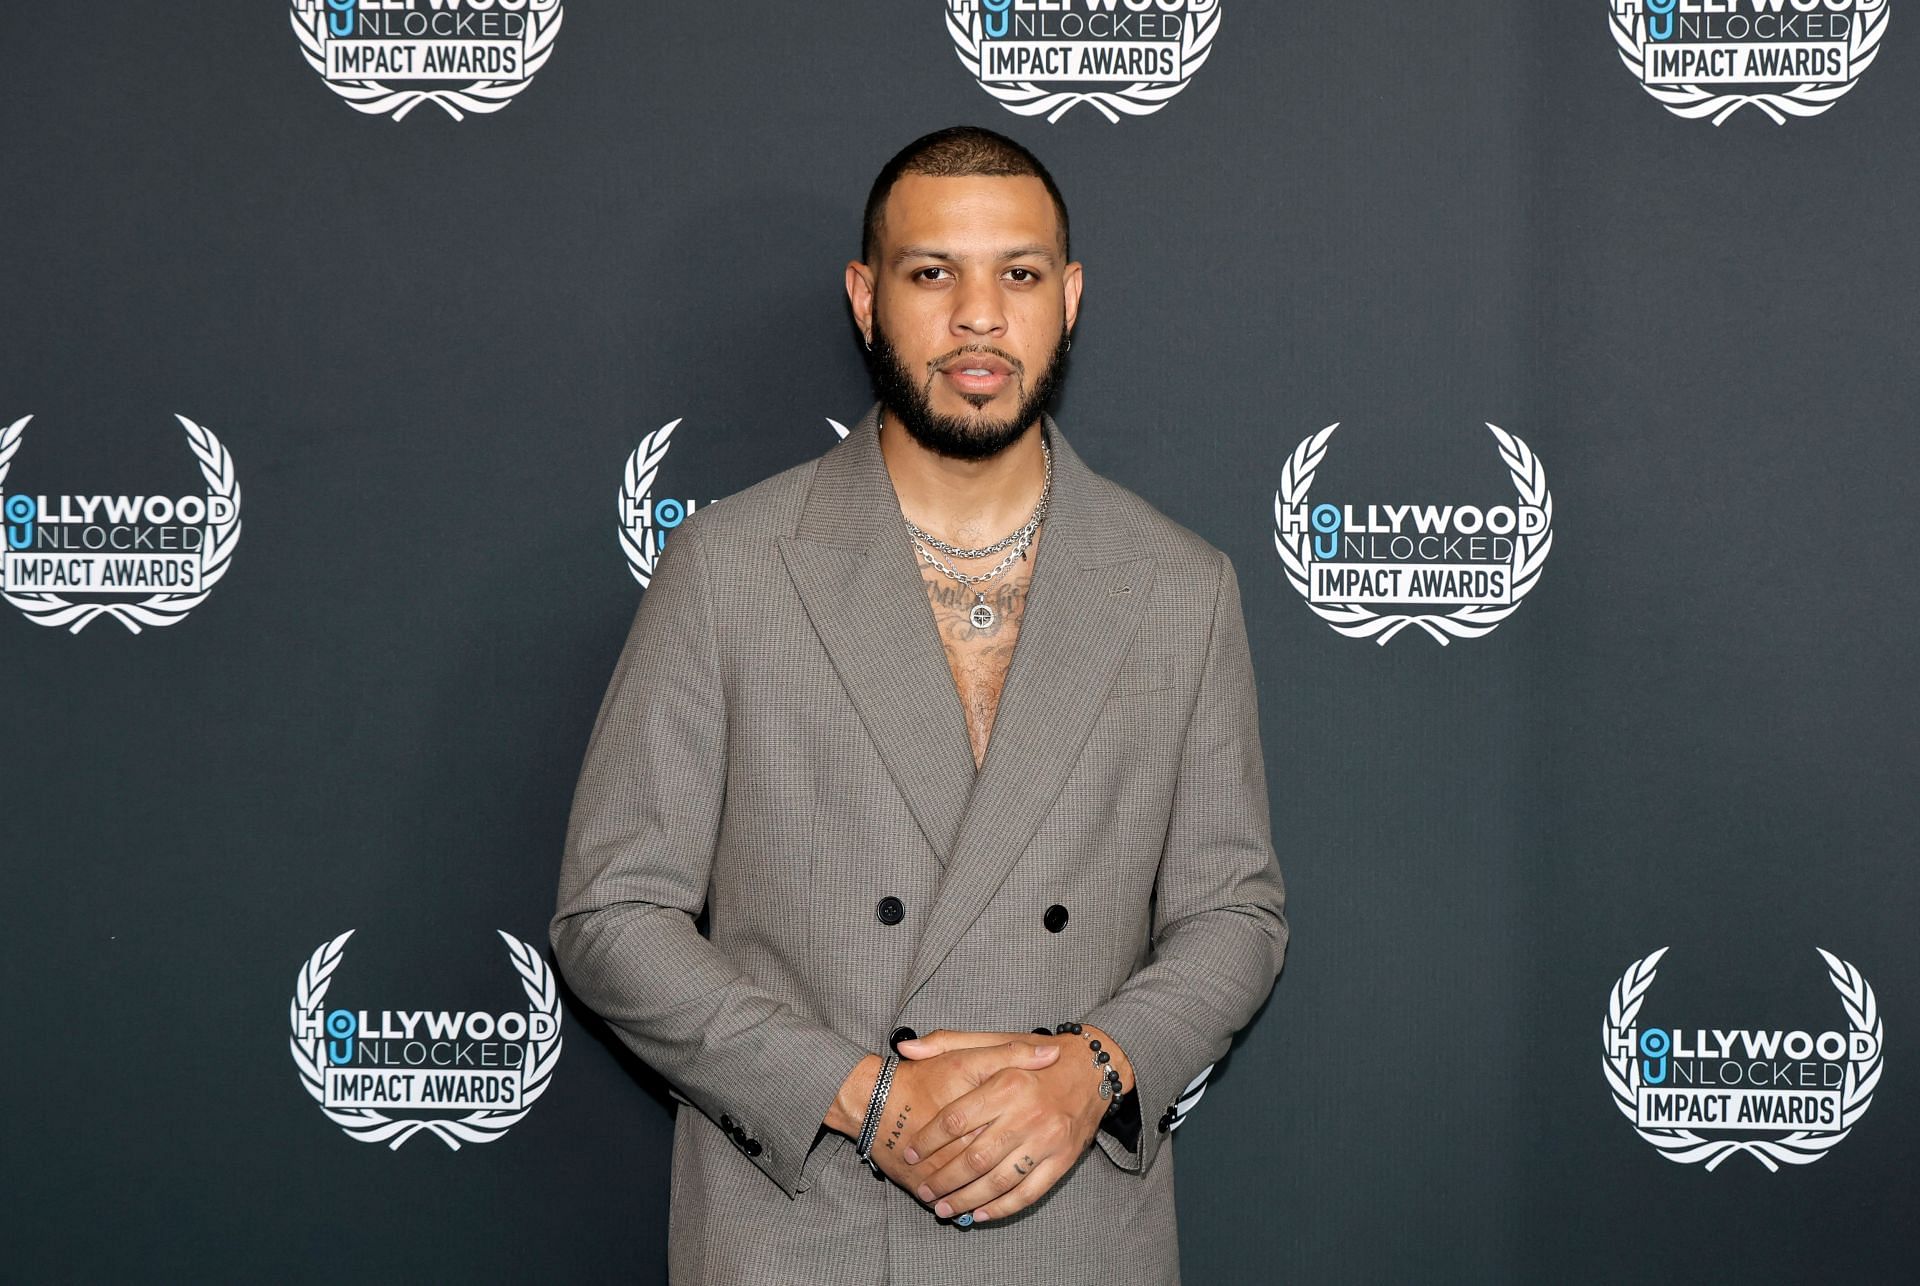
(869, 346)
(1069, 343)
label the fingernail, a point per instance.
(913, 1158)
(926, 1193)
(943, 1210)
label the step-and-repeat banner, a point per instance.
(1546, 370)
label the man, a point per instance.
(948, 735)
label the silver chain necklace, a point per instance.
(981, 614)
(1016, 543)
(1019, 533)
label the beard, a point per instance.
(961, 437)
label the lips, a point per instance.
(979, 374)
(975, 365)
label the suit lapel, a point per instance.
(1090, 584)
(857, 577)
(854, 568)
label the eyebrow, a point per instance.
(947, 256)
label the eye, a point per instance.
(926, 274)
(1023, 276)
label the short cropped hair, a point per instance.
(958, 152)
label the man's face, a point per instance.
(968, 301)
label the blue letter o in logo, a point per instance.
(340, 1026)
(1654, 1044)
(669, 514)
(1326, 523)
(1660, 19)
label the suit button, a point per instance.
(890, 909)
(1056, 918)
(753, 1147)
(726, 1122)
(900, 1034)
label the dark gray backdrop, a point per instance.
(430, 347)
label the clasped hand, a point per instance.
(987, 1122)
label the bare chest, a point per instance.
(979, 656)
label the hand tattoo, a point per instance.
(899, 1125)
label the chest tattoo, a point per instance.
(979, 657)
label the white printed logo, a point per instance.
(386, 57)
(1350, 560)
(480, 1072)
(1046, 57)
(1704, 1094)
(1710, 58)
(142, 560)
(645, 521)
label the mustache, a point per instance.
(1019, 367)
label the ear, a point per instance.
(860, 296)
(1072, 282)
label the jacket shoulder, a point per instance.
(1180, 551)
(757, 515)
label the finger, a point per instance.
(1017, 1052)
(1032, 1186)
(984, 1060)
(914, 1180)
(977, 1107)
(1009, 1174)
(1033, 1057)
(943, 1041)
(981, 1172)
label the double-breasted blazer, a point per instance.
(782, 745)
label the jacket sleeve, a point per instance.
(1219, 926)
(639, 850)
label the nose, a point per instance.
(978, 311)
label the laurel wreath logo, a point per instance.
(370, 1126)
(1026, 98)
(376, 98)
(1802, 1147)
(157, 610)
(643, 466)
(1694, 102)
(1357, 621)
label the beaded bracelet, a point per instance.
(863, 1148)
(1110, 1075)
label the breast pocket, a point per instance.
(1148, 672)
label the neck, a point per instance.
(966, 502)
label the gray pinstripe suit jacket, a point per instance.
(782, 744)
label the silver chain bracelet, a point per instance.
(863, 1148)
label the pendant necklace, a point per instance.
(1016, 543)
(982, 614)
